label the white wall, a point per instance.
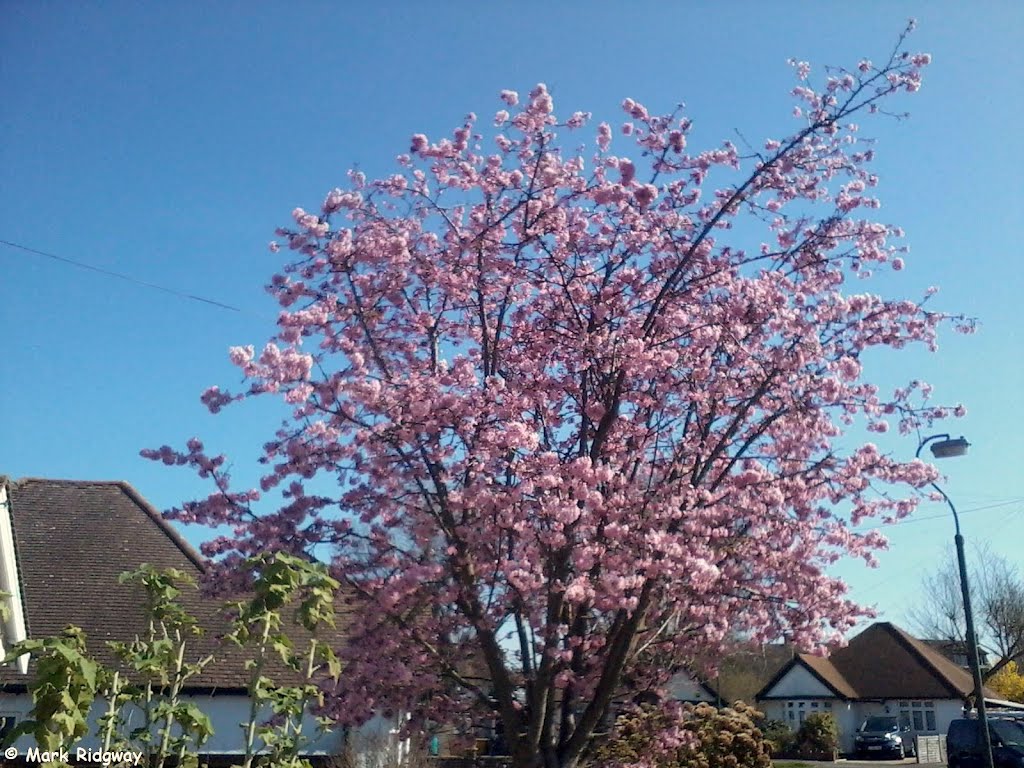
(850, 715)
(682, 687)
(226, 712)
(946, 710)
(799, 681)
(14, 625)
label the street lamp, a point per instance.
(947, 447)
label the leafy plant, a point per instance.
(171, 727)
(63, 689)
(780, 737)
(284, 581)
(818, 737)
(288, 593)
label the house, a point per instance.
(689, 688)
(63, 546)
(882, 671)
(956, 651)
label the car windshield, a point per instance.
(1010, 732)
(879, 724)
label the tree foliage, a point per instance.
(1008, 682)
(583, 404)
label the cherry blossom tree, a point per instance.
(566, 417)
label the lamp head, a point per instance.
(949, 447)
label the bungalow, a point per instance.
(688, 688)
(63, 545)
(882, 671)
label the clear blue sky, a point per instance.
(166, 141)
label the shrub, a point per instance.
(818, 737)
(675, 736)
(779, 737)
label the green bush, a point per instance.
(818, 737)
(780, 738)
(674, 736)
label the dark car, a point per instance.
(964, 746)
(882, 736)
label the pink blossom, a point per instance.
(646, 194)
(419, 143)
(627, 171)
(529, 389)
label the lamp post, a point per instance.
(947, 447)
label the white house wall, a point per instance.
(850, 714)
(225, 712)
(799, 682)
(946, 710)
(14, 622)
(682, 687)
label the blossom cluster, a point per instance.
(563, 411)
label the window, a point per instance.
(918, 715)
(803, 715)
(828, 705)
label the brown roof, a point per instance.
(73, 539)
(825, 670)
(884, 662)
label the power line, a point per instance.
(940, 516)
(121, 276)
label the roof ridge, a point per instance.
(139, 500)
(157, 517)
(805, 657)
(62, 480)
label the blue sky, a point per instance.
(167, 141)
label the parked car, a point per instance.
(882, 736)
(964, 746)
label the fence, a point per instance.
(931, 749)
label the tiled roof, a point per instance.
(884, 662)
(73, 539)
